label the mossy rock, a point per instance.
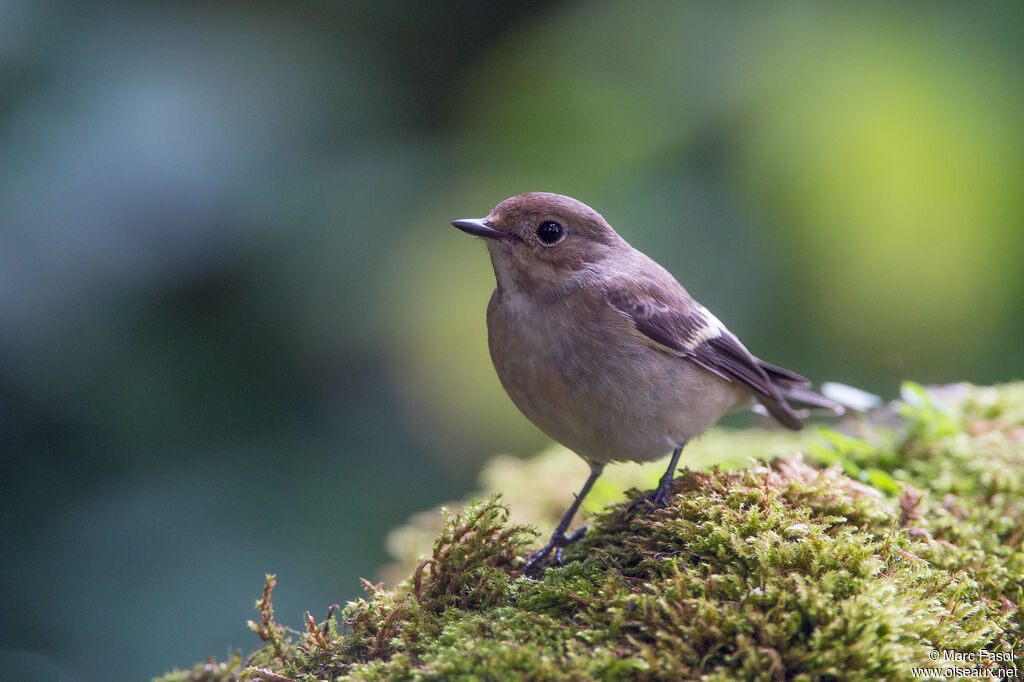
(903, 544)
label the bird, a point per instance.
(606, 353)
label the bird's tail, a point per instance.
(797, 392)
(807, 402)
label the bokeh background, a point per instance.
(238, 336)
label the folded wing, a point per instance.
(682, 326)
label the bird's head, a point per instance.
(539, 239)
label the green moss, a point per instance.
(912, 542)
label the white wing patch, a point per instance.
(711, 329)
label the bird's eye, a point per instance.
(550, 232)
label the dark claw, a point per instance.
(536, 562)
(656, 499)
(659, 498)
(577, 534)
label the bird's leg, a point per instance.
(659, 498)
(536, 561)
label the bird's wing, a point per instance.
(684, 327)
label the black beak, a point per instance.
(480, 227)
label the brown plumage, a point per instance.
(604, 351)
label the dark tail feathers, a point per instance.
(800, 400)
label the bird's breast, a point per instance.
(581, 373)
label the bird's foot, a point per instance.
(537, 562)
(657, 498)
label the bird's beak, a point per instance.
(481, 227)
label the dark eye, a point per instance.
(550, 232)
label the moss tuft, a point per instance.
(910, 540)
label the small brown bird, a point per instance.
(605, 352)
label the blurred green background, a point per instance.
(238, 336)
